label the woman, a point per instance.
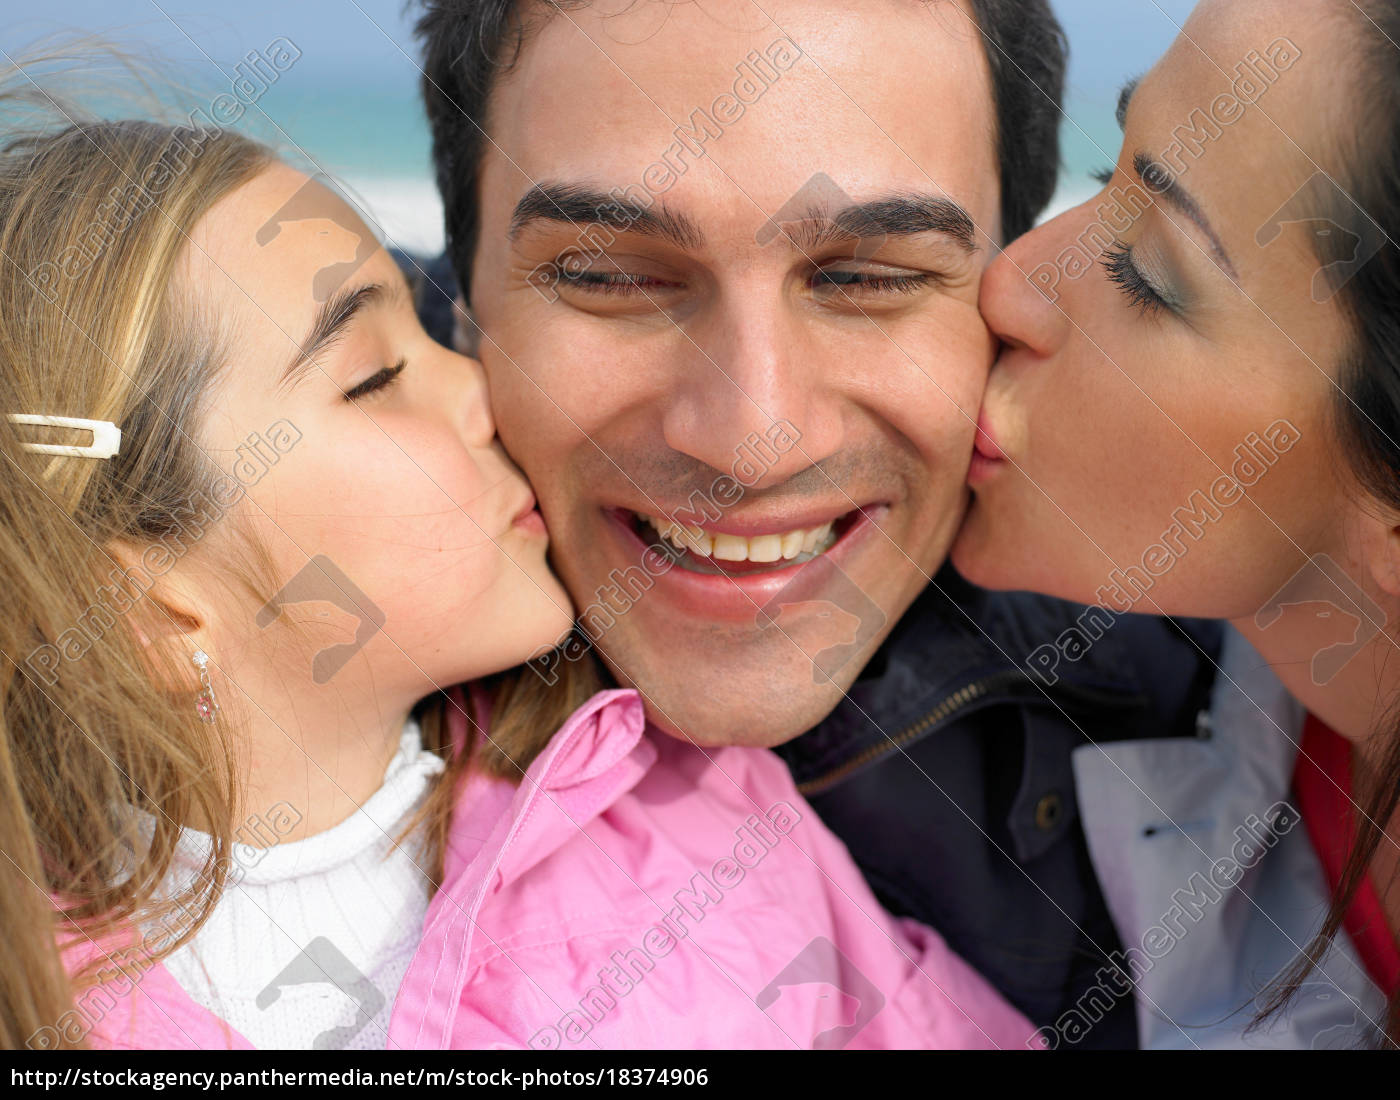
(1197, 413)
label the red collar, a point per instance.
(1322, 782)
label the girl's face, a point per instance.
(406, 543)
(1156, 428)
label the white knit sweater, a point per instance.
(308, 946)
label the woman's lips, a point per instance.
(987, 455)
(986, 443)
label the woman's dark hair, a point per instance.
(467, 44)
(1365, 202)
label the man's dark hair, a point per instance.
(467, 44)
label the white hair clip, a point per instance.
(106, 436)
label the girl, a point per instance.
(254, 520)
(1236, 349)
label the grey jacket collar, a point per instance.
(1212, 880)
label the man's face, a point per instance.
(802, 386)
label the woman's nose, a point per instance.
(1022, 289)
(472, 401)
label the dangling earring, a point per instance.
(205, 705)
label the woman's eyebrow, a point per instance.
(1163, 184)
(1124, 98)
(329, 325)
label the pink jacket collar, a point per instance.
(598, 755)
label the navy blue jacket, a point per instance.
(946, 770)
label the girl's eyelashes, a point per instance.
(379, 380)
(1122, 272)
(1103, 175)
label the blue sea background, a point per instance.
(349, 105)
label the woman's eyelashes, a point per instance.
(380, 380)
(1117, 261)
(1103, 175)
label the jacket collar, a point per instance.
(957, 639)
(1198, 836)
(499, 832)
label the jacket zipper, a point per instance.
(949, 706)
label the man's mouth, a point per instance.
(698, 550)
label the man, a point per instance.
(722, 261)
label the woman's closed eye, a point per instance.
(380, 380)
(1117, 261)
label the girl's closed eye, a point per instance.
(380, 380)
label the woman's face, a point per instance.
(390, 511)
(1162, 400)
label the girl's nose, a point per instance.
(472, 400)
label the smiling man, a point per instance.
(722, 262)
(622, 193)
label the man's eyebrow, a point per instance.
(1124, 98)
(1163, 185)
(330, 323)
(578, 204)
(895, 216)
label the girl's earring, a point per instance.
(205, 705)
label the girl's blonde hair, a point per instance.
(94, 323)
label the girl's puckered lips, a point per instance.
(528, 518)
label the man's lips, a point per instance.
(711, 587)
(732, 541)
(708, 550)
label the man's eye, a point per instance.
(838, 282)
(380, 380)
(601, 274)
(613, 282)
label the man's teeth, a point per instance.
(760, 548)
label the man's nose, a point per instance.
(745, 371)
(1024, 290)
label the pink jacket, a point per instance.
(635, 891)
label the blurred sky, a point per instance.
(1109, 37)
(350, 100)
